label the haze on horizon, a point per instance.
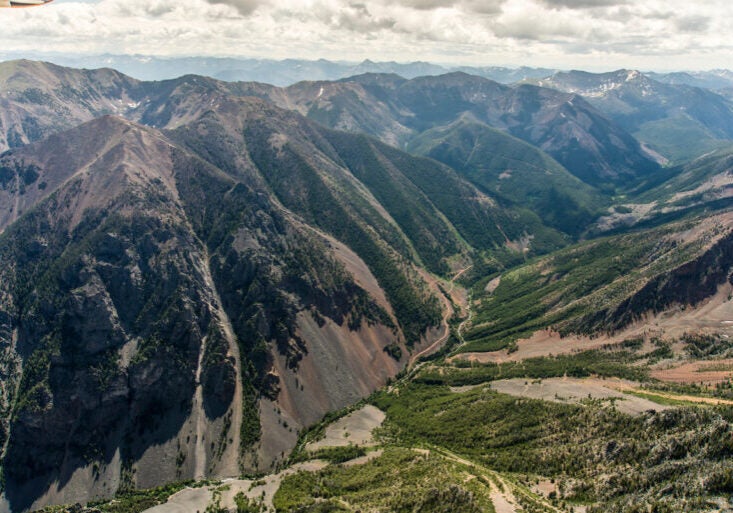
(587, 34)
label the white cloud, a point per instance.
(563, 33)
(243, 6)
(582, 4)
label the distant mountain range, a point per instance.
(389, 107)
(281, 73)
(713, 79)
(289, 71)
(587, 125)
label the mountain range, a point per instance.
(196, 271)
(675, 119)
(277, 72)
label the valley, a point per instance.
(436, 293)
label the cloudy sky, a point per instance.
(587, 34)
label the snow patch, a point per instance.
(631, 75)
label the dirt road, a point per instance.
(448, 311)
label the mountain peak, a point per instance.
(106, 156)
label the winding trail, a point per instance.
(504, 496)
(448, 311)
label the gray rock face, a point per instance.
(77, 400)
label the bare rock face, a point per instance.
(218, 376)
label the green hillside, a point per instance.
(516, 172)
(604, 284)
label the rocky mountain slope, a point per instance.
(701, 185)
(38, 99)
(604, 285)
(165, 319)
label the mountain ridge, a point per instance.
(90, 208)
(564, 126)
